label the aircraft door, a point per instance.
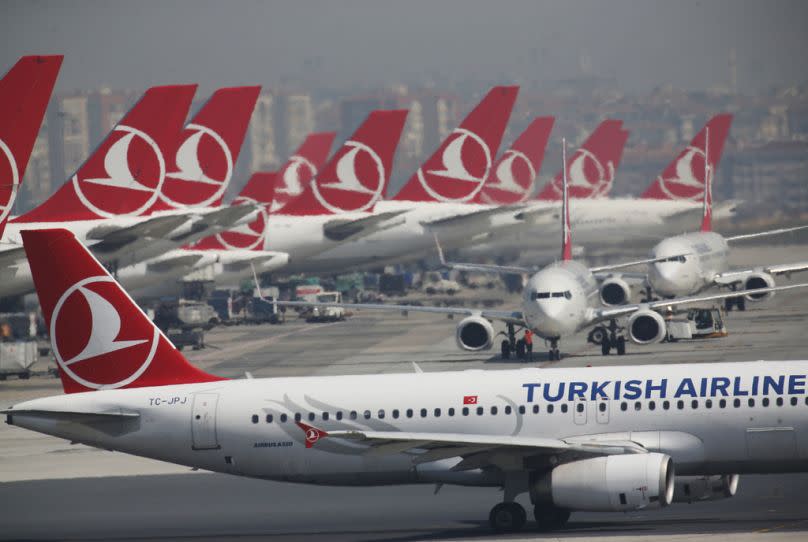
(203, 421)
(602, 411)
(579, 411)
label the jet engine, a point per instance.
(705, 488)
(474, 333)
(614, 291)
(646, 327)
(758, 279)
(612, 483)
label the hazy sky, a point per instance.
(357, 43)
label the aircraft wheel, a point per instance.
(605, 347)
(741, 304)
(507, 517)
(549, 518)
(505, 348)
(598, 335)
(621, 346)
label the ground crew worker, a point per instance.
(529, 344)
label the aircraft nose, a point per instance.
(551, 319)
(666, 278)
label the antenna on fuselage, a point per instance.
(566, 234)
(707, 204)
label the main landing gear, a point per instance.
(609, 338)
(507, 517)
(512, 345)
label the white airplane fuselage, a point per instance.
(704, 255)
(745, 417)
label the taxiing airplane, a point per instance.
(559, 300)
(586, 439)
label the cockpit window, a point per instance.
(544, 295)
(680, 259)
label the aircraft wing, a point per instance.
(736, 276)
(342, 229)
(635, 262)
(513, 317)
(765, 233)
(476, 451)
(12, 255)
(473, 218)
(110, 236)
(219, 220)
(165, 264)
(606, 313)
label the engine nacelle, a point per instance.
(474, 333)
(758, 280)
(614, 291)
(646, 327)
(705, 488)
(612, 483)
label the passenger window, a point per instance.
(779, 401)
(751, 402)
(437, 413)
(579, 407)
(493, 411)
(311, 416)
(708, 403)
(736, 403)
(298, 416)
(269, 418)
(381, 414)
(339, 415)
(564, 408)
(793, 401)
(409, 413)
(651, 405)
(255, 418)
(521, 409)
(550, 409)
(366, 414)
(479, 411)
(694, 404)
(325, 416)
(508, 409)
(395, 413)
(765, 401)
(465, 411)
(423, 413)
(666, 404)
(602, 407)
(450, 412)
(284, 417)
(535, 409)
(722, 403)
(637, 405)
(623, 406)
(680, 404)
(353, 415)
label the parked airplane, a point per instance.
(24, 93)
(694, 262)
(586, 439)
(131, 203)
(559, 300)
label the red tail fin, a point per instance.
(591, 170)
(24, 94)
(302, 167)
(100, 337)
(457, 170)
(566, 229)
(124, 174)
(512, 178)
(259, 189)
(683, 179)
(357, 175)
(201, 166)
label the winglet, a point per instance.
(566, 240)
(312, 433)
(707, 206)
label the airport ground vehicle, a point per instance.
(326, 313)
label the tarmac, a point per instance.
(50, 489)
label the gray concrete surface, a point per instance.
(50, 489)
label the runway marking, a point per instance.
(782, 526)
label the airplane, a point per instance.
(438, 195)
(693, 262)
(24, 94)
(602, 439)
(606, 222)
(227, 257)
(133, 204)
(559, 300)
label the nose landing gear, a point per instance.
(555, 354)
